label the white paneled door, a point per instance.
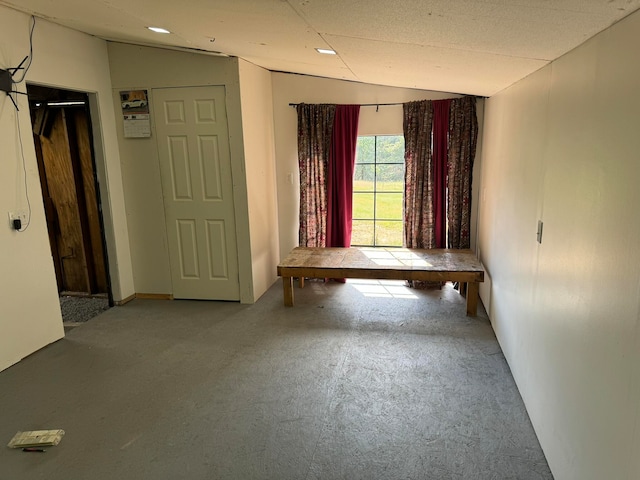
(195, 164)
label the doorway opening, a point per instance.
(63, 138)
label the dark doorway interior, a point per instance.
(64, 148)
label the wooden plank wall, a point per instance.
(66, 156)
(83, 136)
(62, 189)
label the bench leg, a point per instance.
(472, 298)
(287, 284)
(301, 282)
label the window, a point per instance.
(378, 191)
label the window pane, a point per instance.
(363, 178)
(362, 206)
(389, 206)
(389, 234)
(390, 178)
(378, 191)
(390, 149)
(362, 232)
(365, 150)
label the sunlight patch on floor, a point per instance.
(382, 288)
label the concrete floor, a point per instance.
(348, 384)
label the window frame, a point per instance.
(375, 192)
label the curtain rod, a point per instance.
(364, 104)
(382, 104)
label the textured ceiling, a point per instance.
(475, 47)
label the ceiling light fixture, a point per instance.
(158, 30)
(65, 103)
(326, 51)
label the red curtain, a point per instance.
(440, 155)
(340, 175)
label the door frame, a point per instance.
(99, 175)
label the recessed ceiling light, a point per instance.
(158, 30)
(326, 51)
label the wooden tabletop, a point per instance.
(378, 258)
(434, 265)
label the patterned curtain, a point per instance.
(463, 135)
(315, 125)
(419, 227)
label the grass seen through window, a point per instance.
(378, 191)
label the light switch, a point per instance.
(539, 234)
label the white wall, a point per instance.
(562, 146)
(259, 152)
(290, 88)
(144, 68)
(29, 309)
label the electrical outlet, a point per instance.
(18, 215)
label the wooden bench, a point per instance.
(437, 265)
